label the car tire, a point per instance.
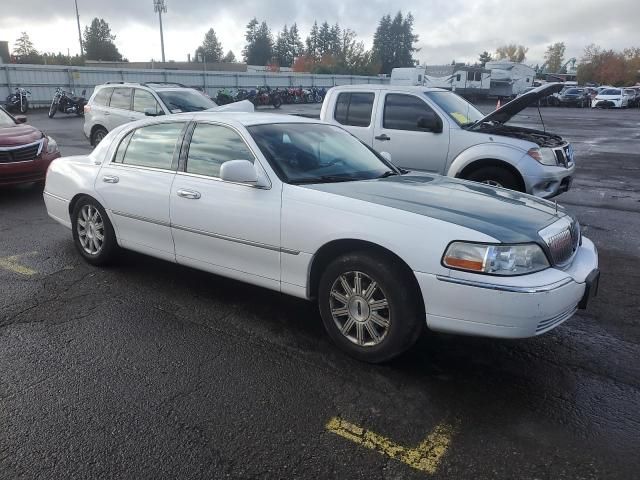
(53, 108)
(96, 239)
(97, 135)
(368, 334)
(495, 177)
(24, 108)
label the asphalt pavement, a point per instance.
(149, 370)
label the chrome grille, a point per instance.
(22, 153)
(564, 244)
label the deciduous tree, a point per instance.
(554, 57)
(512, 52)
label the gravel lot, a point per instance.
(151, 370)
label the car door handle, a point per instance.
(106, 114)
(190, 194)
(384, 137)
(110, 179)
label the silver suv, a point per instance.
(115, 103)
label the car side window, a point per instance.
(121, 98)
(213, 145)
(401, 112)
(102, 97)
(143, 100)
(152, 146)
(354, 109)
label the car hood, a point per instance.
(512, 108)
(506, 215)
(19, 135)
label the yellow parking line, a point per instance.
(11, 264)
(425, 457)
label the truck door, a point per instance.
(398, 132)
(353, 111)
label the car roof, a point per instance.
(247, 119)
(407, 88)
(156, 86)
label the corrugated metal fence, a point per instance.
(42, 80)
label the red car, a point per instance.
(25, 152)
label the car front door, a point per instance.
(119, 111)
(410, 145)
(136, 185)
(227, 228)
(145, 103)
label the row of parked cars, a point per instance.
(600, 97)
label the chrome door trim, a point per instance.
(505, 288)
(236, 240)
(142, 219)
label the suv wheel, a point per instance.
(97, 136)
(496, 177)
(368, 307)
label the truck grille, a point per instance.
(564, 245)
(22, 153)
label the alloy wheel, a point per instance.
(360, 309)
(90, 229)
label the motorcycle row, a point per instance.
(63, 101)
(265, 96)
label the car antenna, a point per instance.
(544, 129)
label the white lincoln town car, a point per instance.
(306, 209)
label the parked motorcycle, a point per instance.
(18, 101)
(264, 96)
(224, 97)
(67, 102)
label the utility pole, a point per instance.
(160, 7)
(79, 32)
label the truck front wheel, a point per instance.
(496, 177)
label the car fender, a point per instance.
(487, 151)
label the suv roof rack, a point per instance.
(120, 83)
(164, 84)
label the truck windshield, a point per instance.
(303, 153)
(461, 111)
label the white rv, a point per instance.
(509, 79)
(462, 79)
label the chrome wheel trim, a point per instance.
(492, 183)
(90, 228)
(360, 309)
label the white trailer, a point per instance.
(508, 79)
(462, 79)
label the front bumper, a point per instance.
(508, 307)
(550, 182)
(28, 171)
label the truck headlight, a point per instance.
(545, 156)
(497, 259)
(52, 145)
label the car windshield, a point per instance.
(303, 153)
(185, 101)
(611, 92)
(572, 91)
(5, 119)
(461, 111)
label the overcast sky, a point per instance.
(448, 29)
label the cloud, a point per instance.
(448, 29)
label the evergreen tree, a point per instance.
(24, 51)
(296, 47)
(324, 39)
(484, 58)
(393, 42)
(259, 48)
(282, 51)
(312, 43)
(98, 42)
(229, 57)
(211, 48)
(335, 40)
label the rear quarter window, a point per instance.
(102, 97)
(354, 108)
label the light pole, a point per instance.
(79, 32)
(202, 58)
(160, 7)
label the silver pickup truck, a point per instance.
(435, 130)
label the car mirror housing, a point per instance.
(431, 123)
(239, 171)
(152, 112)
(21, 119)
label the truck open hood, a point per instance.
(515, 106)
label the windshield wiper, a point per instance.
(325, 179)
(388, 173)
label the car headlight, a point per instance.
(52, 145)
(497, 259)
(545, 156)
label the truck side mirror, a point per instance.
(430, 123)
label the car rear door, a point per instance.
(353, 111)
(226, 228)
(119, 111)
(397, 132)
(135, 186)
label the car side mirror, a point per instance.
(386, 156)
(152, 112)
(239, 171)
(430, 123)
(20, 119)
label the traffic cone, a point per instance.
(499, 104)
